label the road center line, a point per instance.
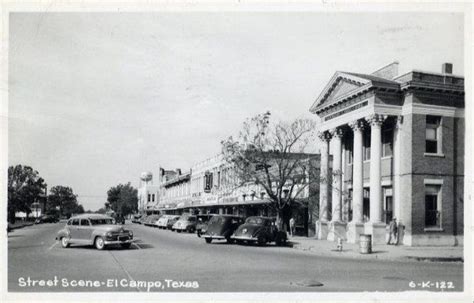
(52, 246)
(124, 270)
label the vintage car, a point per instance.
(47, 219)
(185, 223)
(202, 221)
(171, 221)
(94, 229)
(221, 227)
(151, 220)
(259, 230)
(163, 221)
(136, 218)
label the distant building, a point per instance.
(398, 143)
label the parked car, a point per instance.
(143, 219)
(221, 227)
(161, 223)
(171, 221)
(185, 223)
(94, 229)
(202, 222)
(47, 219)
(151, 220)
(136, 218)
(259, 230)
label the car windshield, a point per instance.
(101, 221)
(254, 220)
(216, 220)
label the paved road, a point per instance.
(164, 256)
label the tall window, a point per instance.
(388, 205)
(387, 142)
(432, 206)
(433, 134)
(208, 182)
(366, 149)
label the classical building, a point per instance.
(397, 143)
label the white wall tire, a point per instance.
(65, 242)
(99, 243)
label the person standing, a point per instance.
(393, 232)
(292, 226)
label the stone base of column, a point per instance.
(337, 230)
(378, 232)
(354, 230)
(322, 230)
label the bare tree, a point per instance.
(274, 158)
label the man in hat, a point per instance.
(393, 232)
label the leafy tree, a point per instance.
(122, 199)
(272, 156)
(25, 186)
(63, 197)
(101, 211)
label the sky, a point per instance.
(97, 98)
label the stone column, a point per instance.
(375, 227)
(337, 228)
(322, 224)
(356, 227)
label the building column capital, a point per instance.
(357, 125)
(336, 132)
(324, 136)
(376, 119)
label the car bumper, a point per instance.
(243, 238)
(118, 242)
(213, 237)
(180, 227)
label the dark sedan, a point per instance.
(47, 219)
(221, 227)
(260, 230)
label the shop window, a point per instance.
(432, 206)
(366, 146)
(433, 134)
(387, 142)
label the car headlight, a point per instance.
(108, 234)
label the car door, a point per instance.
(74, 230)
(85, 230)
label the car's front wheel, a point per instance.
(64, 242)
(99, 243)
(208, 240)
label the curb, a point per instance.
(21, 226)
(377, 257)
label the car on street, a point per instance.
(202, 221)
(94, 229)
(151, 220)
(185, 223)
(171, 221)
(47, 219)
(161, 223)
(221, 227)
(136, 218)
(260, 230)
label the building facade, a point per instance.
(397, 143)
(211, 187)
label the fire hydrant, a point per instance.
(339, 244)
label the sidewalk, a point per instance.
(380, 252)
(19, 224)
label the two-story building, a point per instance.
(398, 151)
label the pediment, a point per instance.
(340, 85)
